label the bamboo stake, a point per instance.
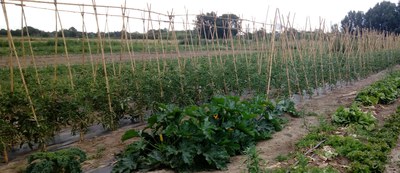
(171, 21)
(300, 47)
(22, 40)
(190, 33)
(11, 67)
(103, 58)
(146, 38)
(131, 52)
(233, 51)
(83, 35)
(212, 31)
(157, 54)
(358, 54)
(291, 56)
(321, 49)
(188, 43)
(264, 48)
(331, 42)
(150, 24)
(285, 49)
(55, 46)
(11, 43)
(271, 55)
(162, 47)
(259, 60)
(109, 44)
(264, 51)
(65, 47)
(346, 55)
(86, 37)
(218, 45)
(246, 57)
(363, 53)
(30, 46)
(222, 62)
(206, 40)
(5, 153)
(124, 37)
(312, 46)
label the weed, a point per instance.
(281, 158)
(253, 160)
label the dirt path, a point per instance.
(393, 165)
(101, 149)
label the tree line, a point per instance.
(384, 16)
(70, 33)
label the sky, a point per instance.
(302, 13)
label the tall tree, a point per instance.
(383, 16)
(209, 25)
(353, 21)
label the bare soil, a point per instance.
(102, 149)
(393, 165)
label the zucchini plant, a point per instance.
(199, 137)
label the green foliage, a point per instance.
(366, 150)
(253, 160)
(62, 161)
(384, 91)
(382, 17)
(210, 25)
(367, 156)
(363, 144)
(354, 116)
(199, 137)
(281, 158)
(129, 134)
(132, 93)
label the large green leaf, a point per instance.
(217, 156)
(130, 134)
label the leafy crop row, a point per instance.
(201, 137)
(364, 144)
(383, 92)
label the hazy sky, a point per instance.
(333, 11)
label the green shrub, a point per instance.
(62, 161)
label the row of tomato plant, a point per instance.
(353, 134)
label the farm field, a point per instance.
(214, 96)
(281, 144)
